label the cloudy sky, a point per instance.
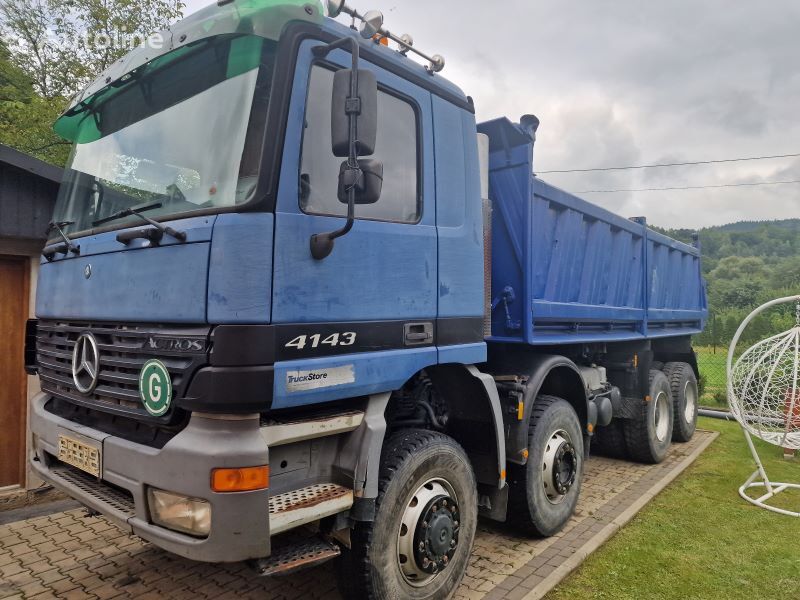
(627, 82)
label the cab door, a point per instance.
(376, 292)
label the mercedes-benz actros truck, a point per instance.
(298, 305)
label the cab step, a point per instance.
(298, 507)
(296, 556)
(278, 433)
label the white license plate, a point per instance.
(79, 454)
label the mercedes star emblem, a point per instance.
(85, 363)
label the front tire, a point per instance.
(544, 491)
(419, 544)
(648, 434)
(683, 384)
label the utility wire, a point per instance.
(677, 164)
(690, 187)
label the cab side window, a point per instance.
(396, 146)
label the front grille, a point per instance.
(138, 431)
(123, 350)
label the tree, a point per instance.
(786, 274)
(63, 44)
(25, 117)
(738, 267)
(15, 85)
(735, 294)
(57, 48)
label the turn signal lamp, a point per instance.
(244, 479)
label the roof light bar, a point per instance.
(372, 28)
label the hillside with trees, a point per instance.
(746, 264)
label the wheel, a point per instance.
(543, 492)
(683, 385)
(426, 512)
(657, 365)
(610, 440)
(648, 435)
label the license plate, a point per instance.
(79, 454)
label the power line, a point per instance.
(677, 164)
(690, 187)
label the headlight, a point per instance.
(181, 513)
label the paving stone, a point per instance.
(517, 593)
(47, 577)
(10, 569)
(62, 586)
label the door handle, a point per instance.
(417, 333)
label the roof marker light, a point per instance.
(372, 26)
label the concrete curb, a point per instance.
(602, 536)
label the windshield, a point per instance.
(184, 131)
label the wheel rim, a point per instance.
(690, 393)
(661, 416)
(428, 534)
(559, 466)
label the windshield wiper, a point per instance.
(67, 246)
(137, 212)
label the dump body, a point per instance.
(567, 271)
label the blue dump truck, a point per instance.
(297, 305)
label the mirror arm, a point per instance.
(322, 243)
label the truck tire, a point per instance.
(683, 384)
(648, 435)
(419, 543)
(609, 441)
(543, 492)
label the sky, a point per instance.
(627, 82)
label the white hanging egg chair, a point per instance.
(764, 397)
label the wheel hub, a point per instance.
(436, 536)
(661, 415)
(565, 468)
(428, 536)
(690, 393)
(559, 467)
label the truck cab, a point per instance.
(224, 137)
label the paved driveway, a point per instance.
(70, 555)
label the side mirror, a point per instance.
(366, 182)
(364, 107)
(354, 125)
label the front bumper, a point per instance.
(239, 521)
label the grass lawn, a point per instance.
(699, 539)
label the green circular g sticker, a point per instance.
(155, 387)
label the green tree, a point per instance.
(738, 267)
(15, 85)
(786, 273)
(56, 48)
(26, 117)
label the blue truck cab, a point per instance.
(233, 368)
